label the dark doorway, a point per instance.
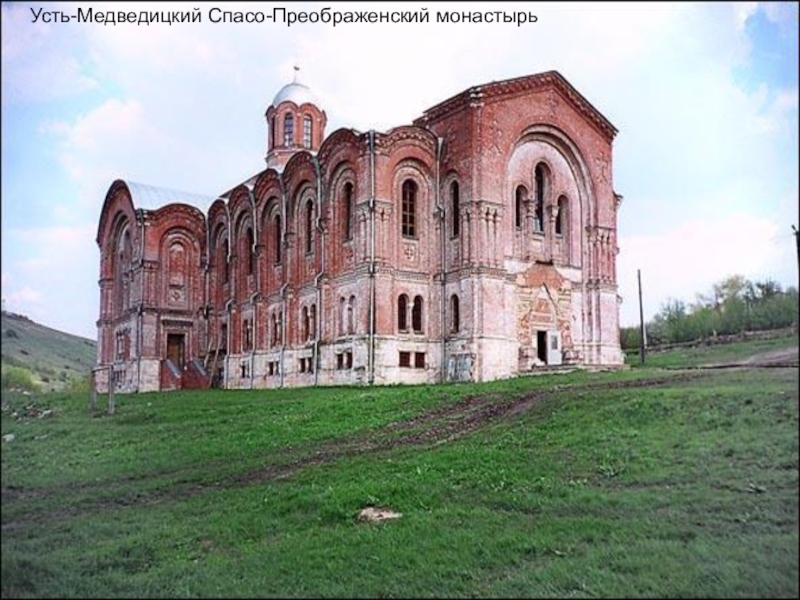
(175, 348)
(541, 346)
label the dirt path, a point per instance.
(785, 357)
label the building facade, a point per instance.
(477, 243)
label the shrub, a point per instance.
(18, 377)
(79, 384)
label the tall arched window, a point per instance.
(249, 250)
(561, 215)
(416, 315)
(278, 241)
(348, 211)
(223, 258)
(538, 222)
(309, 225)
(455, 322)
(342, 315)
(307, 130)
(273, 142)
(279, 328)
(123, 268)
(288, 129)
(274, 336)
(247, 335)
(351, 309)
(312, 322)
(521, 195)
(409, 209)
(454, 208)
(304, 323)
(402, 313)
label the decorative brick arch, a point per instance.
(341, 215)
(559, 140)
(582, 202)
(218, 254)
(180, 257)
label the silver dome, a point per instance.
(297, 93)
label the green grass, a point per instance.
(642, 483)
(712, 354)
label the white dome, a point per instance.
(297, 93)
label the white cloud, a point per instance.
(115, 140)
(384, 75)
(22, 299)
(776, 12)
(38, 59)
(56, 282)
(743, 11)
(690, 258)
(780, 12)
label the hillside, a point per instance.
(54, 357)
(639, 483)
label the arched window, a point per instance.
(348, 211)
(416, 315)
(123, 268)
(249, 250)
(309, 225)
(274, 336)
(351, 309)
(454, 208)
(278, 235)
(247, 334)
(307, 130)
(561, 215)
(273, 142)
(402, 313)
(455, 323)
(288, 129)
(278, 324)
(312, 322)
(223, 259)
(342, 316)
(538, 222)
(521, 195)
(409, 208)
(304, 322)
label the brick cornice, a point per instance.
(497, 90)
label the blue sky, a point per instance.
(705, 97)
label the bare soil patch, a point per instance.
(785, 357)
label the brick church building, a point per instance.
(477, 243)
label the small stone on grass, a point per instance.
(376, 515)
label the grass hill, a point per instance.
(641, 483)
(53, 360)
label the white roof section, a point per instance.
(149, 197)
(297, 93)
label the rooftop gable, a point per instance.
(498, 89)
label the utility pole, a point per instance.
(797, 241)
(641, 318)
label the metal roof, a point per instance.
(297, 93)
(149, 197)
